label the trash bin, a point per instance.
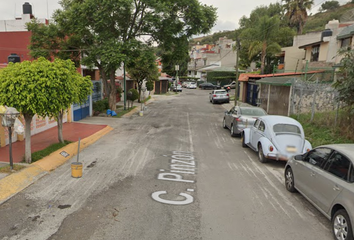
(76, 169)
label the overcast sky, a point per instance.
(229, 11)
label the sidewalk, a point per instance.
(71, 132)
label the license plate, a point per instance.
(291, 149)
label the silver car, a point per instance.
(239, 118)
(325, 176)
(219, 96)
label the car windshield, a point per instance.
(252, 112)
(286, 128)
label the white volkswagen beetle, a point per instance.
(275, 137)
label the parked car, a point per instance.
(239, 118)
(192, 85)
(275, 137)
(231, 85)
(178, 88)
(185, 84)
(325, 176)
(219, 96)
(208, 85)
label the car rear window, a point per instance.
(220, 92)
(286, 128)
(252, 112)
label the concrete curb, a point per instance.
(137, 108)
(16, 182)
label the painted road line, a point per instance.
(16, 182)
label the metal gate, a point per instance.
(252, 93)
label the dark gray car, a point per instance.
(238, 118)
(325, 176)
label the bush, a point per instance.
(150, 85)
(101, 105)
(133, 94)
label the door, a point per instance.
(329, 181)
(305, 172)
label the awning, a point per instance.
(280, 81)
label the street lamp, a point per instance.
(8, 120)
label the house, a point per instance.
(202, 57)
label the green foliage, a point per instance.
(345, 78)
(296, 11)
(108, 29)
(119, 91)
(322, 129)
(132, 95)
(221, 78)
(101, 105)
(149, 85)
(47, 151)
(329, 5)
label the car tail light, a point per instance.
(307, 150)
(227, 94)
(238, 119)
(271, 148)
(214, 95)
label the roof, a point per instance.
(345, 148)
(275, 119)
(346, 32)
(310, 44)
(277, 81)
(245, 76)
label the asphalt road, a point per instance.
(173, 173)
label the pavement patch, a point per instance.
(16, 182)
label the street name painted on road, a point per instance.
(181, 163)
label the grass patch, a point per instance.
(147, 99)
(45, 152)
(322, 129)
(7, 169)
(121, 112)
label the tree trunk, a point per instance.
(140, 83)
(113, 91)
(105, 82)
(60, 126)
(28, 153)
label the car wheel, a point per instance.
(261, 156)
(243, 140)
(224, 123)
(341, 226)
(289, 180)
(232, 133)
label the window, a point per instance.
(261, 127)
(318, 156)
(351, 175)
(286, 128)
(314, 53)
(346, 42)
(338, 165)
(256, 123)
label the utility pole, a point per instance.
(125, 90)
(238, 47)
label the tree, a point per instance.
(296, 11)
(345, 79)
(108, 30)
(65, 87)
(263, 35)
(329, 5)
(132, 95)
(50, 41)
(142, 66)
(38, 87)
